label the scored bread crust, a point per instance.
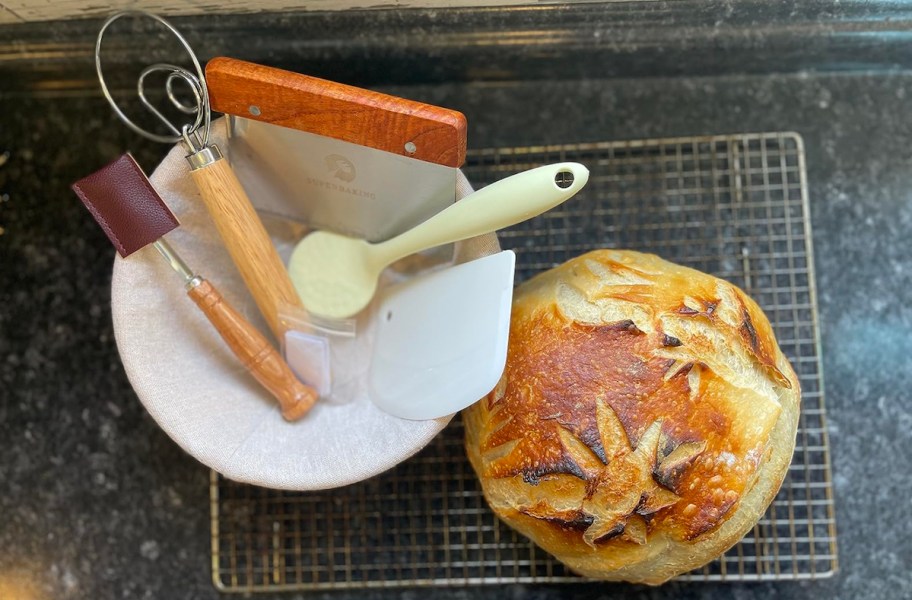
(644, 422)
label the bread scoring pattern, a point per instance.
(604, 505)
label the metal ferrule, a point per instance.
(204, 158)
(165, 249)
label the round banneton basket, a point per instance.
(200, 394)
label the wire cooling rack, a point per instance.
(734, 206)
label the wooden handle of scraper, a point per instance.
(255, 352)
(246, 239)
(343, 112)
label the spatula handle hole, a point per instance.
(563, 179)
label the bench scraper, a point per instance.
(334, 156)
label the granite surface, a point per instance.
(96, 502)
(543, 40)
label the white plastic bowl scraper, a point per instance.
(441, 339)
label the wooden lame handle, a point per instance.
(336, 110)
(247, 242)
(255, 352)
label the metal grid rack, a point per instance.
(734, 206)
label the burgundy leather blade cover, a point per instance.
(123, 201)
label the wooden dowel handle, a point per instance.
(247, 241)
(255, 352)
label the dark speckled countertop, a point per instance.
(96, 502)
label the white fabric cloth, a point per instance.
(199, 393)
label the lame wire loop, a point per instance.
(196, 133)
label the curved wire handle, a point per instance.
(195, 81)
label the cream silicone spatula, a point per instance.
(336, 276)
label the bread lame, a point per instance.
(133, 215)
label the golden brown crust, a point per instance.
(645, 419)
